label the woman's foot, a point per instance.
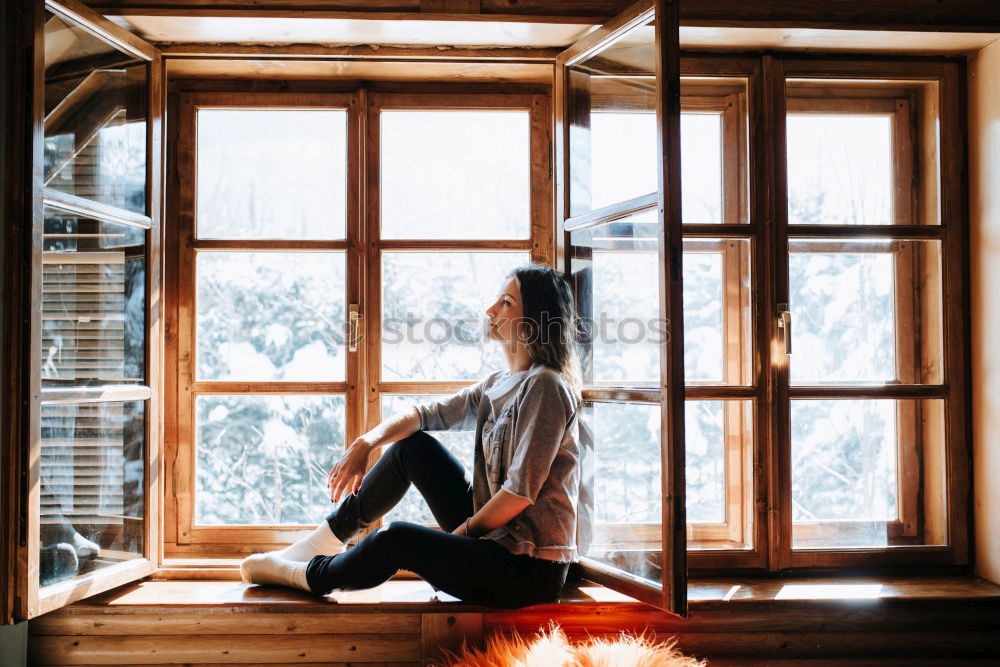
(320, 542)
(84, 547)
(270, 569)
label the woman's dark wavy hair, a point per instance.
(550, 326)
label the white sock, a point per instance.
(320, 542)
(84, 547)
(268, 568)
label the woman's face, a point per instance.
(505, 313)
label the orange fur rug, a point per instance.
(551, 648)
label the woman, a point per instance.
(506, 539)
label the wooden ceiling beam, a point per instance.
(919, 15)
(589, 12)
(912, 15)
(359, 52)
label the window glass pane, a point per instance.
(615, 272)
(272, 173)
(620, 510)
(701, 168)
(840, 169)
(413, 507)
(264, 460)
(433, 313)
(623, 154)
(719, 450)
(867, 473)
(95, 118)
(612, 116)
(93, 301)
(704, 299)
(855, 305)
(705, 448)
(92, 471)
(271, 316)
(455, 174)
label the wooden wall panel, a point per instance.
(984, 234)
(202, 623)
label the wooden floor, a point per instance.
(808, 622)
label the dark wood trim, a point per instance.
(902, 391)
(760, 167)
(624, 582)
(268, 388)
(464, 244)
(104, 28)
(358, 52)
(153, 446)
(929, 15)
(621, 395)
(718, 393)
(673, 462)
(543, 227)
(22, 168)
(635, 14)
(282, 11)
(352, 85)
(867, 231)
(775, 248)
(956, 333)
(30, 436)
(468, 100)
(191, 243)
(715, 231)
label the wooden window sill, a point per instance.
(939, 621)
(218, 582)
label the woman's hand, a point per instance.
(347, 473)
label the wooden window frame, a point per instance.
(927, 181)
(671, 592)
(182, 537)
(26, 598)
(731, 83)
(915, 305)
(726, 95)
(363, 386)
(539, 244)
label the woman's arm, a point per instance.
(499, 510)
(348, 472)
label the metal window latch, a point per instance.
(785, 323)
(354, 319)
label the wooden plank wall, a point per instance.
(872, 632)
(984, 232)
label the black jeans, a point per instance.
(472, 569)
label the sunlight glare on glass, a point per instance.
(271, 173)
(455, 174)
(701, 168)
(840, 169)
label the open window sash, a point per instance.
(618, 200)
(85, 515)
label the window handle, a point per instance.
(355, 317)
(785, 323)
